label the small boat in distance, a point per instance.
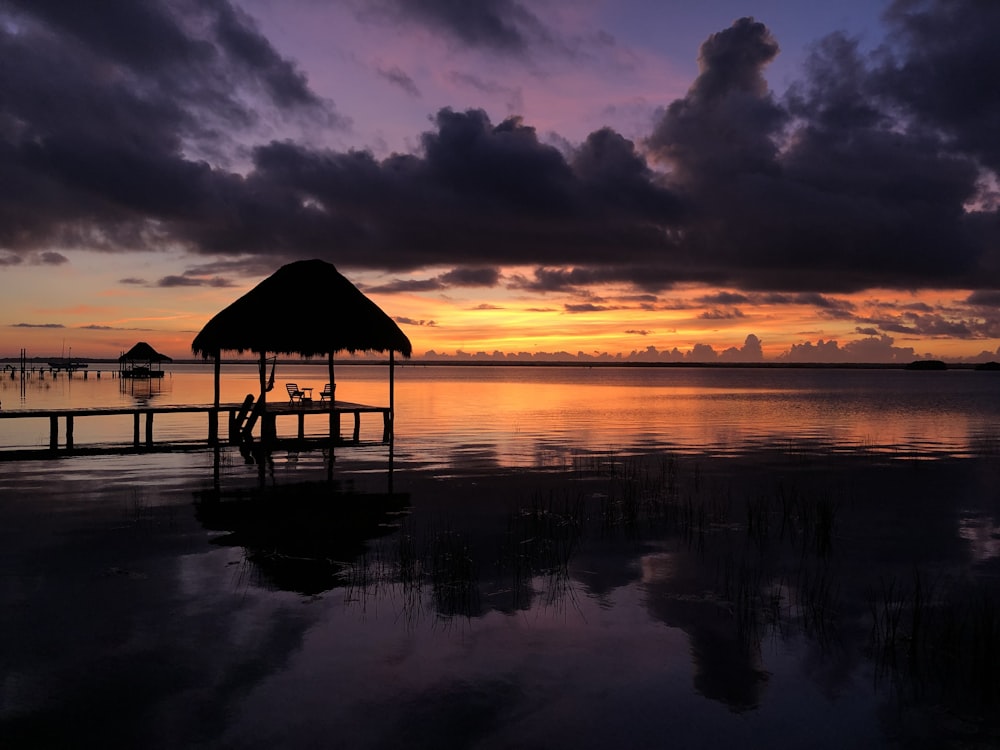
(67, 363)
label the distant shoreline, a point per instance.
(36, 362)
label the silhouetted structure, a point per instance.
(142, 362)
(306, 308)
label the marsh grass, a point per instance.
(540, 539)
(938, 643)
(773, 549)
(776, 556)
(401, 569)
(454, 574)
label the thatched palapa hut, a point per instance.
(141, 362)
(306, 308)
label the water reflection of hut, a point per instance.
(301, 537)
(142, 362)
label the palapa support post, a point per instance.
(334, 417)
(213, 418)
(268, 428)
(387, 433)
(54, 432)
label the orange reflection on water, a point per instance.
(514, 417)
(521, 413)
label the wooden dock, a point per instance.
(241, 421)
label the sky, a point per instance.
(657, 180)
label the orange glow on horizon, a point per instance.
(602, 321)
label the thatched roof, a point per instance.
(143, 352)
(306, 308)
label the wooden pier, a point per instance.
(241, 421)
(40, 371)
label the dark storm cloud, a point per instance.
(830, 190)
(936, 325)
(716, 314)
(586, 307)
(569, 279)
(237, 35)
(405, 285)
(478, 193)
(181, 281)
(466, 277)
(397, 77)
(861, 176)
(805, 298)
(52, 258)
(724, 298)
(928, 325)
(472, 277)
(99, 108)
(503, 25)
(723, 128)
(944, 67)
(96, 327)
(411, 322)
(823, 302)
(174, 281)
(644, 301)
(985, 298)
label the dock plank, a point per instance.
(273, 411)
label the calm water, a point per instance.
(524, 417)
(561, 557)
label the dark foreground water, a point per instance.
(508, 585)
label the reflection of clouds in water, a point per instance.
(127, 624)
(455, 713)
(632, 635)
(474, 457)
(726, 667)
(300, 537)
(658, 568)
(983, 536)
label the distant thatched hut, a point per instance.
(306, 308)
(142, 362)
